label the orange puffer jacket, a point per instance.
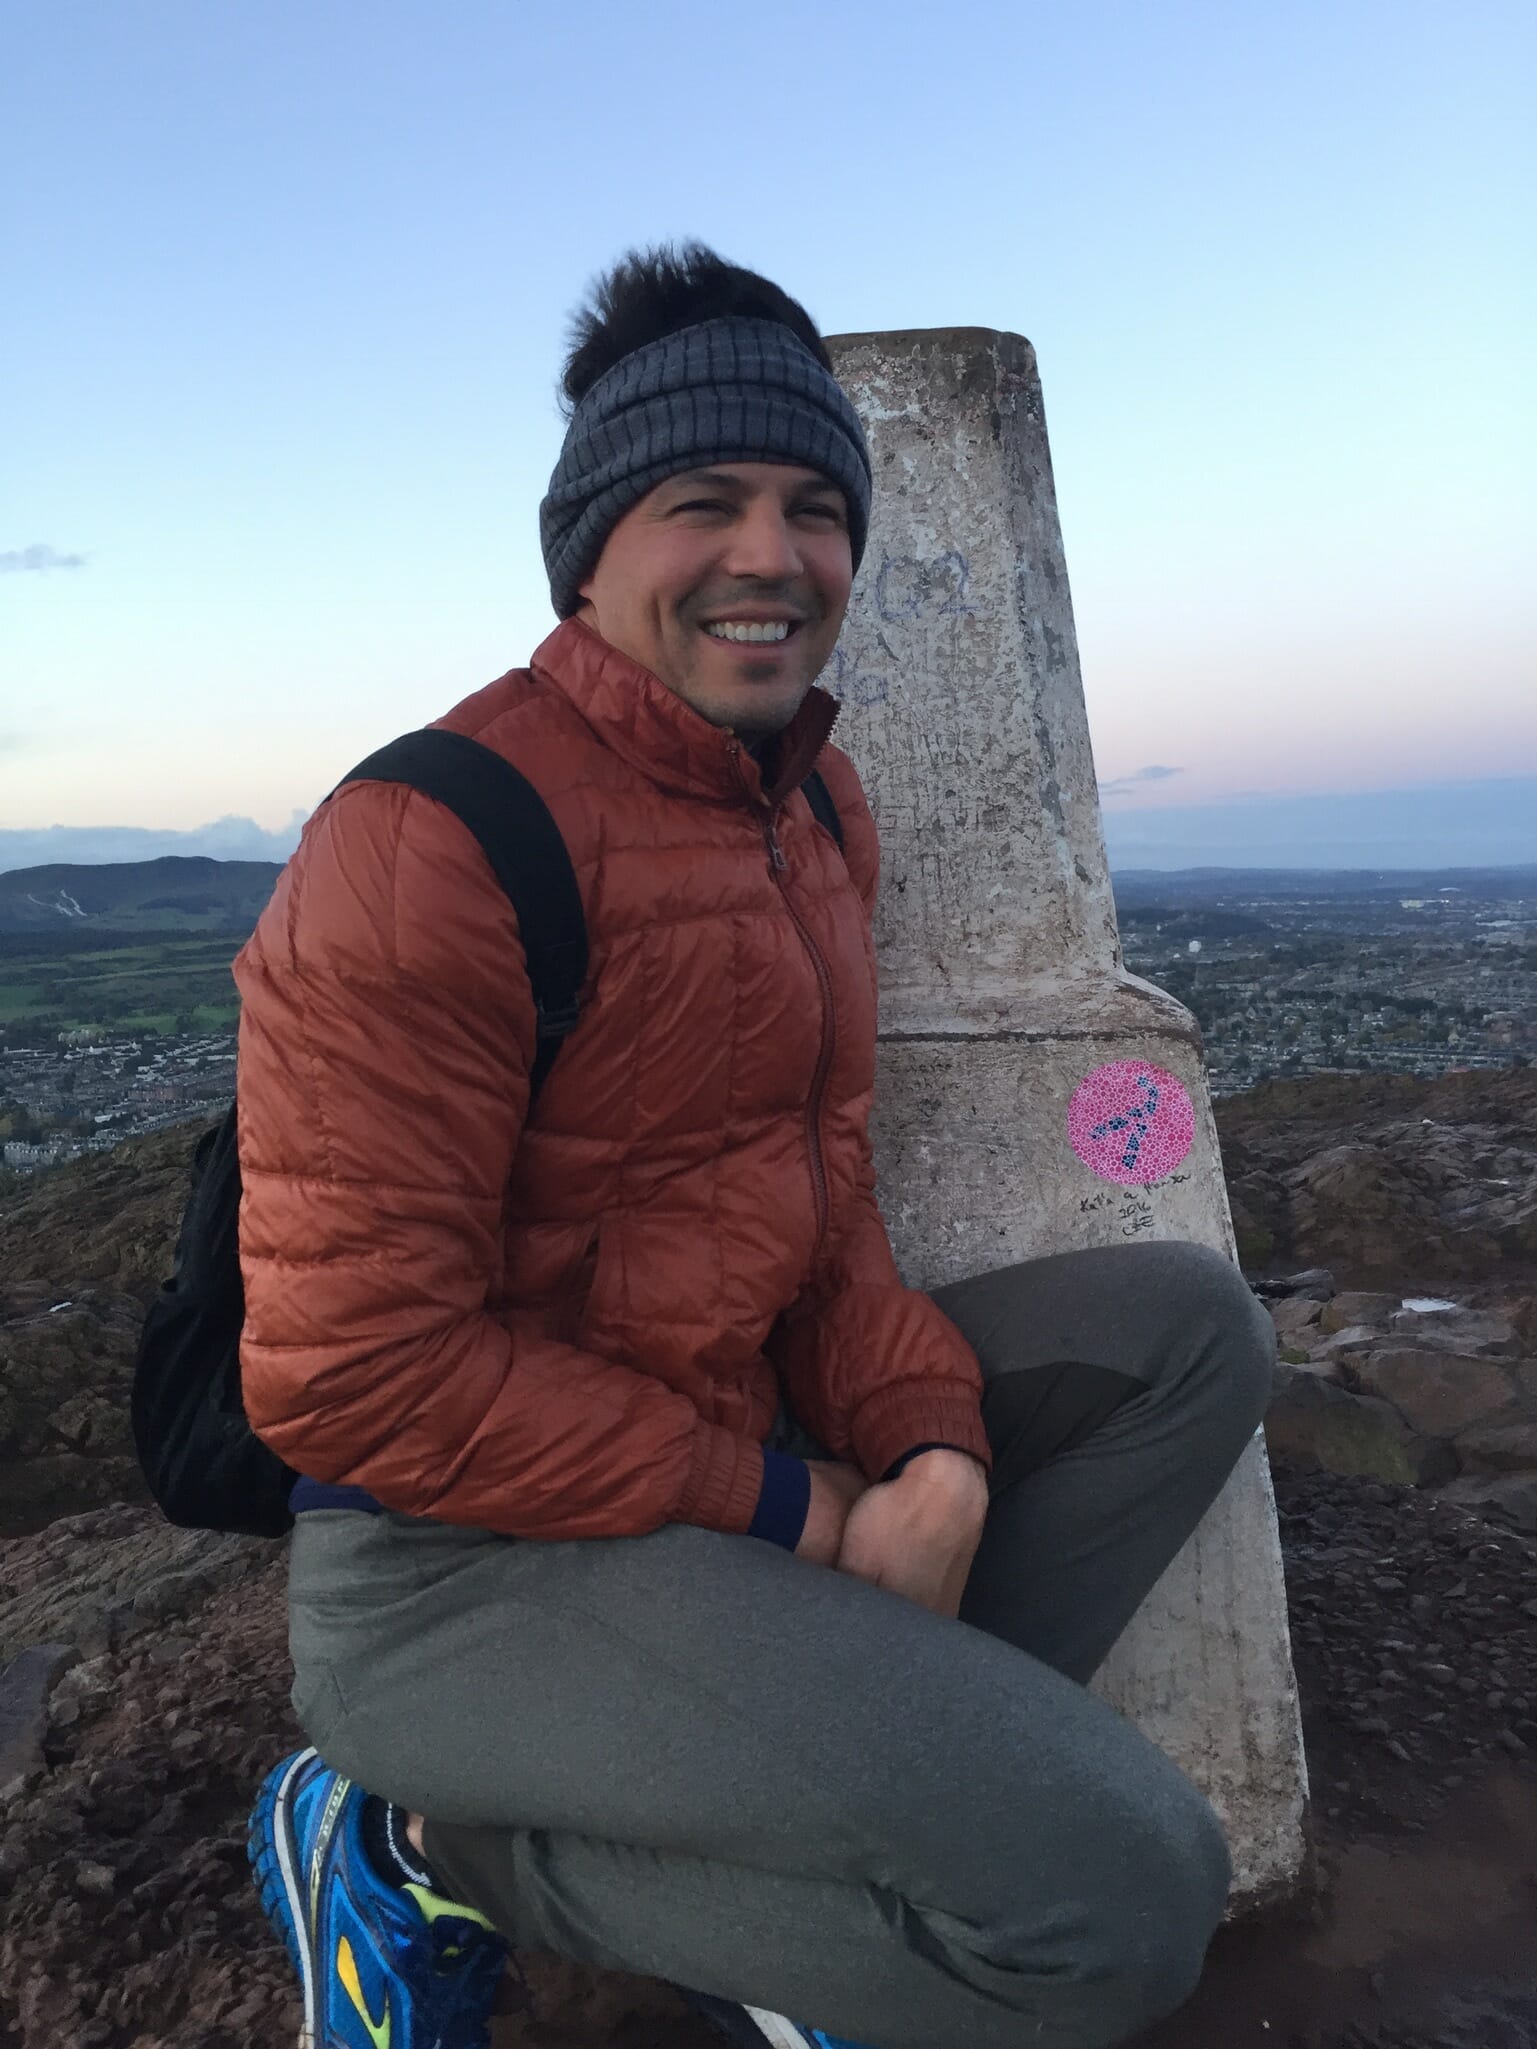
(572, 1324)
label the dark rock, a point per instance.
(1316, 1284)
(1390, 1175)
(1314, 1425)
(100, 1880)
(174, 1593)
(1499, 1447)
(1355, 1337)
(1294, 1315)
(1362, 1200)
(1472, 1332)
(25, 1686)
(1512, 1500)
(1355, 1307)
(1437, 1393)
(83, 1574)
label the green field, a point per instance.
(181, 985)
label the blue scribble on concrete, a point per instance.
(907, 587)
(848, 682)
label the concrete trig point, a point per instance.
(1032, 1096)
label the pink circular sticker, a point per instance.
(1131, 1122)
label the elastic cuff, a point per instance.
(911, 1412)
(780, 1517)
(907, 1457)
(724, 1481)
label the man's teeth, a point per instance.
(730, 629)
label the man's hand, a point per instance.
(917, 1535)
(835, 1488)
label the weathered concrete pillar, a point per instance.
(1033, 1096)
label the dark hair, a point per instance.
(652, 292)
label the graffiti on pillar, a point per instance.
(908, 587)
(920, 628)
(852, 681)
(1131, 1122)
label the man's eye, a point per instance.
(703, 505)
(825, 512)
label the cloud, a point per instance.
(14, 561)
(1125, 784)
(225, 839)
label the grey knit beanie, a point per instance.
(729, 390)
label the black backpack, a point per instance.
(206, 1468)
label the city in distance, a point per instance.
(118, 1011)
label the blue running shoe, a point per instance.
(381, 1966)
(753, 2027)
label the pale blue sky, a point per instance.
(284, 290)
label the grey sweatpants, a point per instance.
(698, 1757)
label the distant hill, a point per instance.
(196, 893)
(178, 893)
(1138, 888)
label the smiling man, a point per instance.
(680, 586)
(671, 1587)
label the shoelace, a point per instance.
(467, 1965)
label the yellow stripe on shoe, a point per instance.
(347, 1971)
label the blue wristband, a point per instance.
(780, 1517)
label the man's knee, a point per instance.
(1149, 1921)
(1206, 1297)
(1186, 1873)
(1128, 1876)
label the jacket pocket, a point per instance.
(601, 1320)
(577, 1291)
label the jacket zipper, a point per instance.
(778, 866)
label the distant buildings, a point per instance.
(1351, 979)
(90, 1092)
(1289, 979)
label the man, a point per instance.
(688, 1595)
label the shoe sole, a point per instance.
(753, 2027)
(776, 2030)
(272, 1852)
(729, 2020)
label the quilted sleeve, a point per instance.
(385, 1042)
(874, 1368)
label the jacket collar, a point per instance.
(642, 721)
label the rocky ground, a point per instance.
(1387, 1175)
(128, 1921)
(1421, 1390)
(1414, 1630)
(82, 1251)
(144, 1674)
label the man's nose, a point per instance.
(763, 545)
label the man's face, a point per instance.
(740, 544)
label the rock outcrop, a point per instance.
(1370, 1384)
(82, 1251)
(1376, 1174)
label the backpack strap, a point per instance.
(823, 809)
(527, 854)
